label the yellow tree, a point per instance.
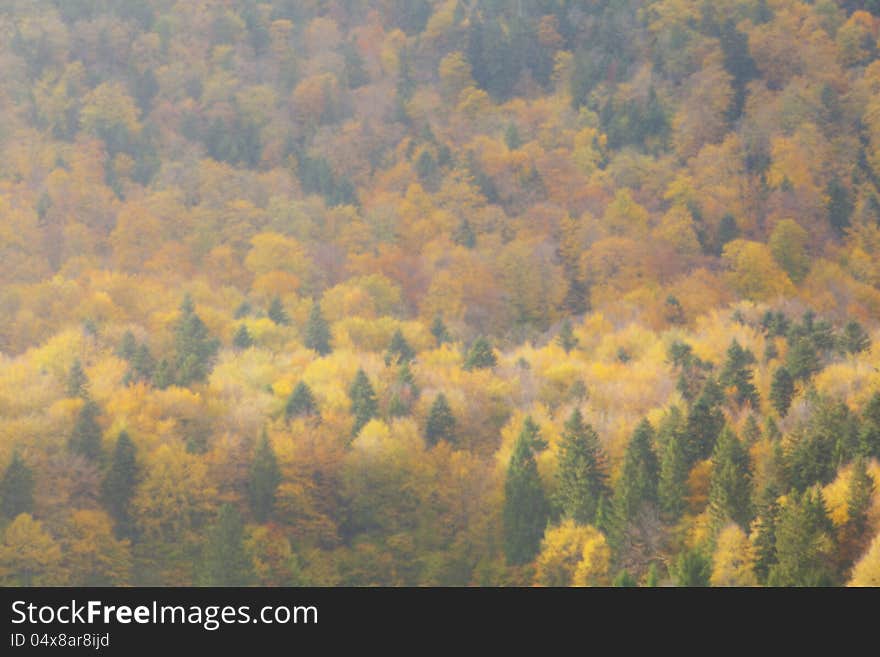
(92, 554)
(573, 555)
(29, 556)
(734, 559)
(867, 570)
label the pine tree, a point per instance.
(855, 339)
(77, 383)
(480, 355)
(464, 234)
(317, 335)
(765, 532)
(85, 440)
(439, 331)
(225, 561)
(566, 338)
(300, 403)
(781, 390)
(737, 373)
(653, 577)
(277, 313)
(16, 488)
(143, 365)
(858, 502)
(672, 488)
(399, 350)
(804, 541)
(127, 346)
(118, 487)
(526, 510)
(441, 422)
(802, 361)
(364, 406)
(730, 485)
(194, 347)
(582, 479)
(265, 476)
(623, 580)
(164, 376)
(242, 338)
(692, 569)
(637, 485)
(704, 422)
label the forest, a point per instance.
(440, 293)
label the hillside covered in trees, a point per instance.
(440, 292)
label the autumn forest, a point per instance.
(440, 293)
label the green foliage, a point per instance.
(16, 488)
(624, 580)
(277, 313)
(692, 569)
(566, 338)
(301, 402)
(730, 485)
(242, 338)
(855, 339)
(637, 485)
(439, 331)
(582, 477)
(194, 348)
(77, 382)
(317, 334)
(804, 542)
(704, 423)
(781, 390)
(738, 374)
(672, 489)
(224, 560)
(265, 476)
(441, 422)
(480, 355)
(399, 350)
(118, 487)
(364, 406)
(526, 510)
(85, 439)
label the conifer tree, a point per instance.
(637, 485)
(804, 542)
(277, 313)
(858, 502)
(672, 488)
(77, 383)
(317, 335)
(704, 422)
(127, 346)
(480, 356)
(16, 488)
(225, 560)
(441, 422)
(118, 487)
(764, 529)
(624, 580)
(301, 402)
(692, 569)
(265, 476)
(526, 510)
(582, 479)
(855, 339)
(781, 390)
(85, 440)
(399, 350)
(143, 365)
(364, 406)
(194, 346)
(439, 331)
(737, 373)
(802, 361)
(730, 485)
(242, 338)
(566, 338)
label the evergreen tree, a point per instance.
(480, 356)
(623, 580)
(730, 485)
(194, 347)
(869, 435)
(582, 479)
(704, 422)
(300, 403)
(317, 335)
(804, 540)
(441, 422)
(653, 577)
(464, 234)
(765, 532)
(77, 383)
(164, 376)
(439, 331)
(127, 346)
(118, 487)
(566, 338)
(672, 488)
(242, 338)
(277, 313)
(692, 569)
(265, 476)
(781, 390)
(364, 406)
(637, 485)
(840, 206)
(858, 502)
(143, 365)
(16, 488)
(399, 350)
(802, 361)
(225, 561)
(85, 440)
(737, 373)
(526, 510)
(855, 339)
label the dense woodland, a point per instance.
(440, 292)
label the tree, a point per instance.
(855, 339)
(194, 347)
(734, 561)
(526, 510)
(441, 422)
(730, 486)
(265, 476)
(738, 374)
(480, 356)
(317, 335)
(120, 483)
(867, 570)
(77, 382)
(566, 338)
(781, 390)
(764, 532)
(582, 478)
(16, 488)
(277, 313)
(704, 422)
(788, 244)
(804, 542)
(637, 485)
(854, 536)
(623, 580)
(573, 555)
(225, 561)
(85, 440)
(29, 555)
(840, 206)
(91, 554)
(672, 488)
(242, 338)
(802, 361)
(143, 365)
(364, 406)
(693, 569)
(439, 331)
(301, 402)
(399, 350)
